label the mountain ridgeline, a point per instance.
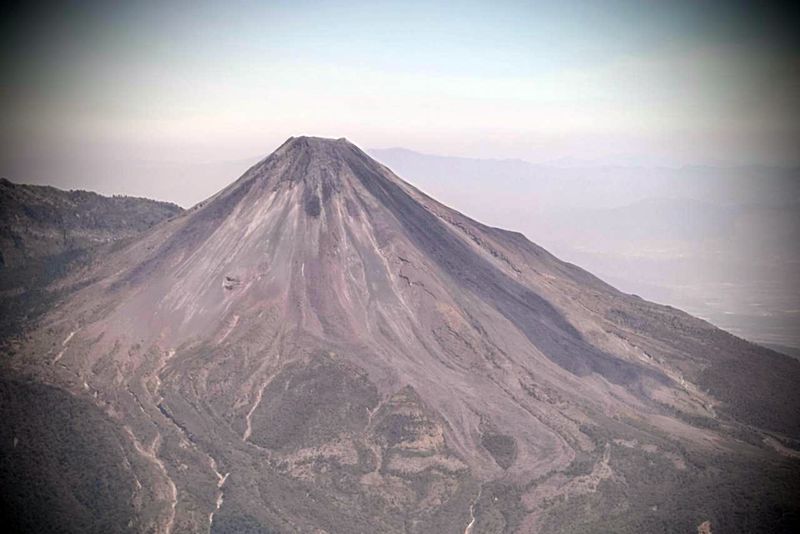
(41, 222)
(321, 347)
(45, 233)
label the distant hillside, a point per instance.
(45, 232)
(40, 221)
(789, 351)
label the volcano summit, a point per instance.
(321, 347)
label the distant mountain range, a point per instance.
(322, 347)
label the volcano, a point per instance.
(321, 347)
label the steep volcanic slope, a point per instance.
(321, 347)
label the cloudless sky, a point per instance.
(89, 87)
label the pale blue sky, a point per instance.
(92, 85)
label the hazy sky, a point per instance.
(92, 90)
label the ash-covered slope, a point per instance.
(321, 347)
